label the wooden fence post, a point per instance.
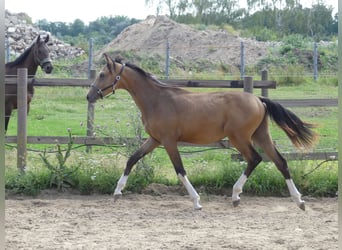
(264, 77)
(248, 84)
(22, 118)
(90, 113)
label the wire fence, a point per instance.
(248, 58)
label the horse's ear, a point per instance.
(38, 39)
(47, 38)
(110, 64)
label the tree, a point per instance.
(77, 27)
(320, 19)
(171, 6)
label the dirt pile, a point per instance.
(186, 42)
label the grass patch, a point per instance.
(210, 172)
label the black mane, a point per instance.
(21, 58)
(139, 70)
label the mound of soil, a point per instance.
(187, 44)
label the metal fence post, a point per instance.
(7, 45)
(167, 63)
(315, 59)
(22, 118)
(90, 59)
(264, 77)
(242, 60)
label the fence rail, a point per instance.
(223, 144)
(78, 82)
(247, 84)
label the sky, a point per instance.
(69, 10)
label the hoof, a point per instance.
(302, 206)
(117, 196)
(199, 207)
(236, 203)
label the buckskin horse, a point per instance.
(172, 114)
(36, 55)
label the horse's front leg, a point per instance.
(191, 190)
(176, 160)
(145, 148)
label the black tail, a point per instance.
(299, 132)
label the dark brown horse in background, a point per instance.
(171, 115)
(36, 55)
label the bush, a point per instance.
(60, 173)
(317, 179)
(141, 177)
(29, 183)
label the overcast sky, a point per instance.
(69, 10)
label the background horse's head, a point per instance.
(41, 54)
(105, 83)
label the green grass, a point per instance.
(210, 172)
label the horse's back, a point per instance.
(231, 102)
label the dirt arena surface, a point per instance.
(168, 221)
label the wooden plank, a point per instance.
(78, 82)
(218, 83)
(91, 140)
(54, 82)
(297, 156)
(223, 144)
(22, 118)
(327, 102)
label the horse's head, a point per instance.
(42, 54)
(107, 80)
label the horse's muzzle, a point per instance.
(47, 67)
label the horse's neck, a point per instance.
(144, 93)
(28, 62)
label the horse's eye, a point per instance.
(102, 75)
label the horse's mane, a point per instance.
(21, 58)
(140, 71)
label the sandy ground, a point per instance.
(168, 221)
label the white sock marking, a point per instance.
(294, 192)
(121, 184)
(238, 186)
(192, 192)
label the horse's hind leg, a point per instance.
(145, 148)
(252, 158)
(263, 139)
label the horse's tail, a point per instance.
(299, 132)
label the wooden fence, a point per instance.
(247, 84)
